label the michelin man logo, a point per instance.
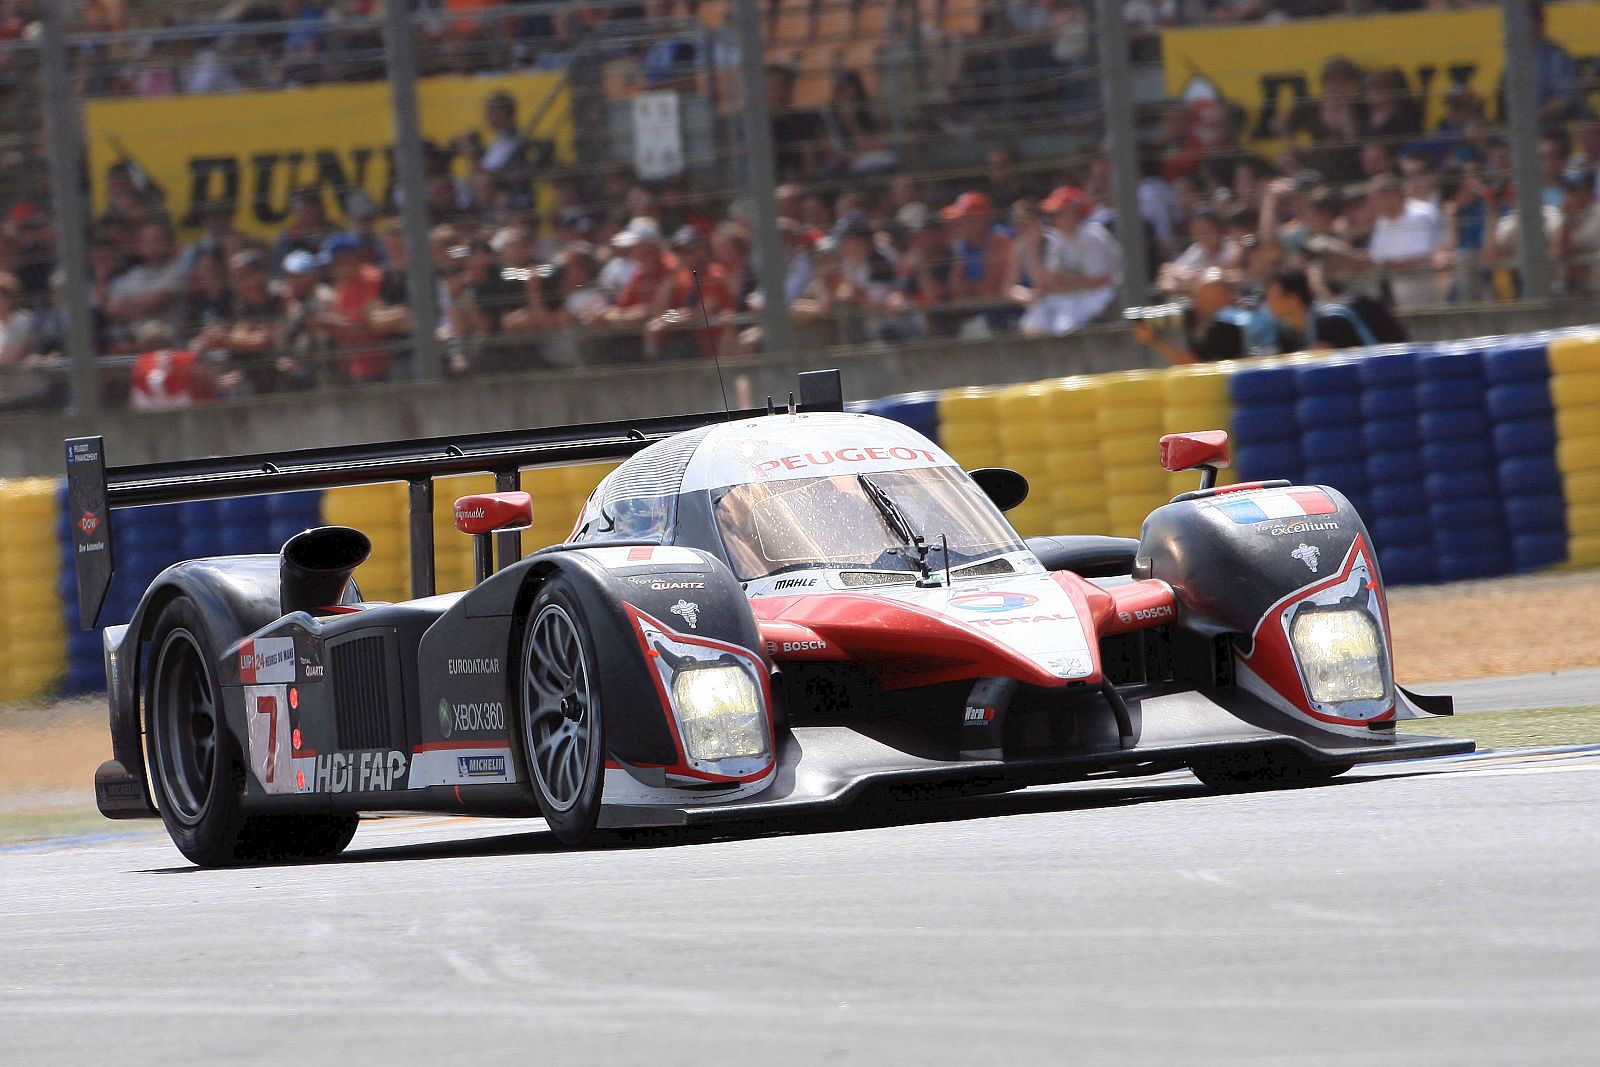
(1307, 554)
(688, 611)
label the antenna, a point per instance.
(700, 295)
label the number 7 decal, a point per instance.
(268, 706)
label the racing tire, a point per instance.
(197, 769)
(561, 729)
(1252, 772)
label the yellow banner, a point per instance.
(1266, 70)
(258, 148)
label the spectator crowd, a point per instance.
(1366, 211)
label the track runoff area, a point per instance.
(1434, 912)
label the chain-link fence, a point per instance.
(593, 181)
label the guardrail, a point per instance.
(1468, 459)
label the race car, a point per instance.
(756, 614)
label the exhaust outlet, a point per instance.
(315, 565)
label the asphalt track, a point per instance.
(1438, 912)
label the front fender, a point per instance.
(667, 583)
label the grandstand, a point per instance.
(916, 141)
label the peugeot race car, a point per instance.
(755, 614)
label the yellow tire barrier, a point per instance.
(1578, 453)
(1574, 355)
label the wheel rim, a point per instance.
(557, 724)
(186, 719)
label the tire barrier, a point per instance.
(1467, 460)
(1575, 396)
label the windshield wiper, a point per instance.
(914, 549)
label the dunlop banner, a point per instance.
(1267, 70)
(257, 149)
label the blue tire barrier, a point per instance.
(1388, 435)
(243, 509)
(1536, 514)
(1329, 411)
(82, 644)
(1525, 437)
(1348, 478)
(1384, 468)
(1388, 369)
(1474, 565)
(1334, 444)
(1444, 364)
(1451, 393)
(1453, 424)
(1402, 565)
(1529, 476)
(1261, 462)
(1517, 363)
(1461, 484)
(1466, 541)
(1447, 456)
(919, 410)
(1532, 551)
(1333, 376)
(1402, 531)
(307, 504)
(1468, 513)
(1398, 498)
(1520, 401)
(1262, 424)
(1390, 402)
(1263, 385)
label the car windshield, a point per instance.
(768, 527)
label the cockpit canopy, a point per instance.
(786, 492)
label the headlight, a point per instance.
(720, 713)
(1340, 654)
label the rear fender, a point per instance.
(235, 595)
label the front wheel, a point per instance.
(563, 741)
(1272, 770)
(196, 764)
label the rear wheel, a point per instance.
(1269, 770)
(563, 740)
(196, 764)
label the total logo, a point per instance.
(992, 601)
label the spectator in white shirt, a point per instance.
(1408, 238)
(1072, 270)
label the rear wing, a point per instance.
(95, 490)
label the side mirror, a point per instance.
(1202, 450)
(488, 513)
(491, 513)
(1002, 485)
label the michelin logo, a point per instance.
(481, 766)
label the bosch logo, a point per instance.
(993, 601)
(1160, 611)
(805, 646)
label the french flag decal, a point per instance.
(1287, 504)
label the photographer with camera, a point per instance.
(1350, 321)
(1216, 326)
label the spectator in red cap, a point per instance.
(1073, 267)
(980, 256)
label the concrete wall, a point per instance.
(30, 444)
